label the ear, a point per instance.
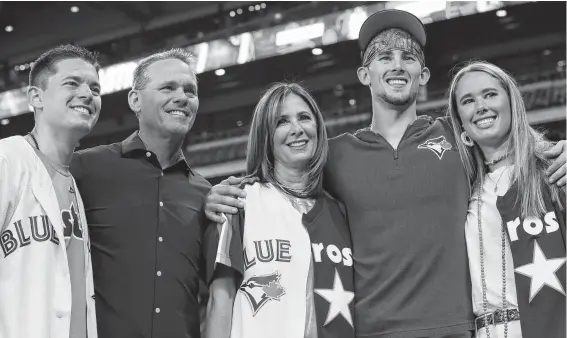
(134, 101)
(424, 76)
(363, 75)
(35, 97)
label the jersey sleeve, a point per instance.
(224, 245)
(7, 191)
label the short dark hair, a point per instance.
(44, 66)
(141, 79)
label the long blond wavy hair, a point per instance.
(524, 144)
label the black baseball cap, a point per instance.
(391, 18)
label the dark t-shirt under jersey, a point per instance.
(63, 185)
(406, 209)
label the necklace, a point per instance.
(49, 162)
(496, 160)
(499, 177)
(34, 141)
(290, 191)
(482, 274)
(303, 205)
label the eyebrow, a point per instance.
(176, 84)
(80, 79)
(405, 52)
(298, 113)
(485, 90)
(489, 89)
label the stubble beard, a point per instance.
(400, 99)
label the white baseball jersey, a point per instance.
(271, 300)
(266, 245)
(35, 287)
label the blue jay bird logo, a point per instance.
(438, 145)
(259, 290)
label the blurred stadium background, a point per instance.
(241, 47)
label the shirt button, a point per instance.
(148, 154)
(159, 273)
(162, 173)
(157, 310)
(160, 239)
(161, 204)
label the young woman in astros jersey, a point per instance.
(284, 263)
(515, 229)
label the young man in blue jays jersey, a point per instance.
(46, 280)
(406, 194)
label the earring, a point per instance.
(467, 140)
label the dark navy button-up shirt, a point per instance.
(146, 226)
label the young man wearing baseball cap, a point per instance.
(406, 193)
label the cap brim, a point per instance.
(391, 18)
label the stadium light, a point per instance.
(501, 13)
(74, 9)
(239, 11)
(352, 102)
(220, 72)
(317, 51)
(9, 29)
(5, 122)
(300, 34)
(278, 16)
(421, 9)
(251, 8)
(232, 14)
(262, 5)
(257, 7)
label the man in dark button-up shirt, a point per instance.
(143, 205)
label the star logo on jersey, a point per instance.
(438, 146)
(542, 272)
(338, 299)
(259, 290)
(71, 222)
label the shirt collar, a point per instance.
(134, 144)
(421, 123)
